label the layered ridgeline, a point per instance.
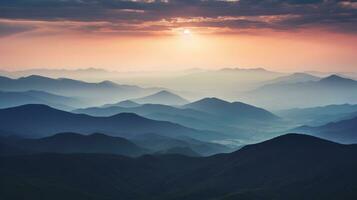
(294, 78)
(317, 116)
(138, 145)
(163, 97)
(326, 91)
(12, 99)
(40, 120)
(275, 169)
(91, 93)
(344, 131)
(208, 113)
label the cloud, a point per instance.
(7, 28)
(148, 16)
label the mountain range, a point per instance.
(90, 93)
(317, 116)
(344, 131)
(12, 99)
(294, 78)
(208, 113)
(41, 121)
(326, 91)
(288, 167)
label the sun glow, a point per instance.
(187, 32)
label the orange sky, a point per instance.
(275, 51)
(283, 35)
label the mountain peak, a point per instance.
(35, 77)
(335, 79)
(165, 92)
(211, 100)
(108, 83)
(162, 97)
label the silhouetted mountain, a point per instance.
(294, 78)
(77, 143)
(40, 121)
(124, 104)
(12, 99)
(344, 131)
(163, 97)
(330, 90)
(288, 167)
(159, 143)
(98, 93)
(317, 116)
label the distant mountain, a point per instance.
(12, 99)
(235, 111)
(288, 167)
(336, 81)
(330, 90)
(344, 131)
(41, 121)
(159, 143)
(92, 74)
(94, 93)
(163, 97)
(187, 117)
(77, 143)
(233, 119)
(317, 116)
(294, 78)
(124, 104)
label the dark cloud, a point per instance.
(129, 15)
(7, 29)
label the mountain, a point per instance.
(235, 111)
(236, 119)
(92, 74)
(330, 90)
(288, 167)
(335, 80)
(12, 99)
(77, 143)
(163, 97)
(294, 78)
(195, 84)
(124, 104)
(41, 121)
(317, 116)
(186, 117)
(93, 93)
(344, 131)
(159, 143)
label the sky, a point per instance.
(281, 35)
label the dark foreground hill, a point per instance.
(290, 167)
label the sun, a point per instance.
(187, 31)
